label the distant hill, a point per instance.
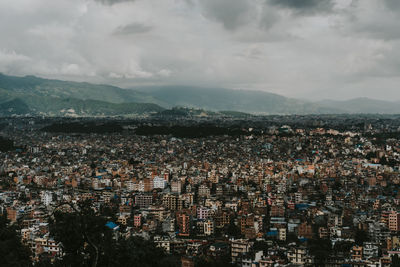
(363, 105)
(37, 96)
(34, 86)
(216, 99)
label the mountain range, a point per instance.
(37, 96)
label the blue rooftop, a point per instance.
(111, 225)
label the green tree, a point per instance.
(320, 249)
(86, 241)
(361, 237)
(83, 235)
(135, 251)
(396, 261)
(232, 229)
(12, 251)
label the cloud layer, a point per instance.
(311, 49)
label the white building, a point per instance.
(202, 213)
(159, 182)
(46, 197)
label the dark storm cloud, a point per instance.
(305, 6)
(393, 4)
(231, 13)
(133, 28)
(112, 2)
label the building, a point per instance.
(159, 183)
(370, 250)
(176, 186)
(394, 221)
(172, 202)
(209, 227)
(239, 247)
(357, 253)
(183, 223)
(137, 220)
(202, 213)
(46, 198)
(298, 255)
(143, 200)
(204, 191)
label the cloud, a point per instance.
(10, 61)
(231, 13)
(372, 19)
(133, 28)
(112, 2)
(305, 6)
(299, 48)
(393, 4)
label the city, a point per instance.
(297, 194)
(199, 133)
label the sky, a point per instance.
(307, 49)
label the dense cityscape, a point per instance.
(199, 133)
(201, 191)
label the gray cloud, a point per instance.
(133, 28)
(285, 47)
(305, 6)
(393, 4)
(371, 19)
(112, 2)
(231, 13)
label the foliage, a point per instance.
(204, 261)
(360, 237)
(12, 252)
(86, 241)
(6, 145)
(88, 127)
(320, 249)
(189, 131)
(343, 247)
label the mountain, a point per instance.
(51, 106)
(35, 86)
(216, 99)
(37, 96)
(363, 105)
(14, 106)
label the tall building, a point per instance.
(394, 221)
(183, 222)
(209, 227)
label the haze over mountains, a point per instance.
(37, 96)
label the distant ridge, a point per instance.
(216, 99)
(37, 96)
(363, 105)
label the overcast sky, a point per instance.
(309, 49)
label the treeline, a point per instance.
(6, 145)
(190, 131)
(88, 127)
(381, 138)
